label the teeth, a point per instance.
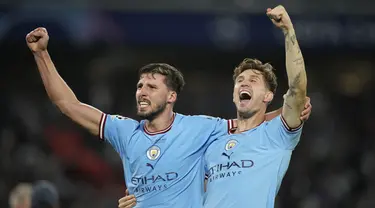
(142, 103)
(245, 92)
(244, 95)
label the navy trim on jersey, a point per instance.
(161, 131)
(289, 128)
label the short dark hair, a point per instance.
(265, 69)
(174, 78)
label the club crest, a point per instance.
(230, 144)
(153, 153)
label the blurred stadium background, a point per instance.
(98, 46)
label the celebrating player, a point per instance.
(247, 167)
(163, 154)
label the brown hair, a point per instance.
(265, 69)
(174, 78)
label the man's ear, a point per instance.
(268, 97)
(172, 97)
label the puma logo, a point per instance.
(226, 155)
(149, 165)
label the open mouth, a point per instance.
(245, 96)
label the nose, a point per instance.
(141, 92)
(245, 84)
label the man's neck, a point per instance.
(161, 122)
(244, 124)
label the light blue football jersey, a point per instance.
(246, 169)
(164, 169)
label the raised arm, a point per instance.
(295, 98)
(305, 114)
(58, 91)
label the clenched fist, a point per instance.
(280, 18)
(37, 40)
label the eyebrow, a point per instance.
(240, 77)
(151, 85)
(255, 76)
(251, 76)
(148, 84)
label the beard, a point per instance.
(153, 113)
(246, 114)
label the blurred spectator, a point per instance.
(20, 196)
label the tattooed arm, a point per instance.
(294, 99)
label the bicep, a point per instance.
(292, 108)
(83, 114)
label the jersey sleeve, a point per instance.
(280, 135)
(116, 130)
(221, 127)
(216, 127)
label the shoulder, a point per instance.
(202, 118)
(205, 121)
(117, 117)
(119, 120)
(277, 119)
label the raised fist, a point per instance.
(37, 40)
(280, 18)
